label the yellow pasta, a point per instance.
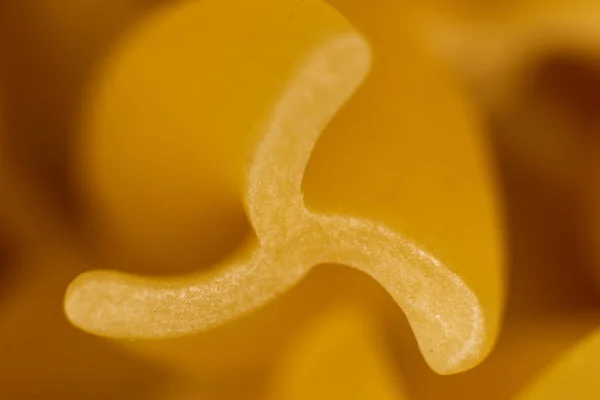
(184, 185)
(304, 60)
(244, 350)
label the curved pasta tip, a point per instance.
(89, 303)
(444, 313)
(81, 302)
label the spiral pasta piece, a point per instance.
(248, 113)
(216, 224)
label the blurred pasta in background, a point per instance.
(299, 199)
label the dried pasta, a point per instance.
(275, 139)
(184, 185)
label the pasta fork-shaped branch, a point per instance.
(310, 62)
